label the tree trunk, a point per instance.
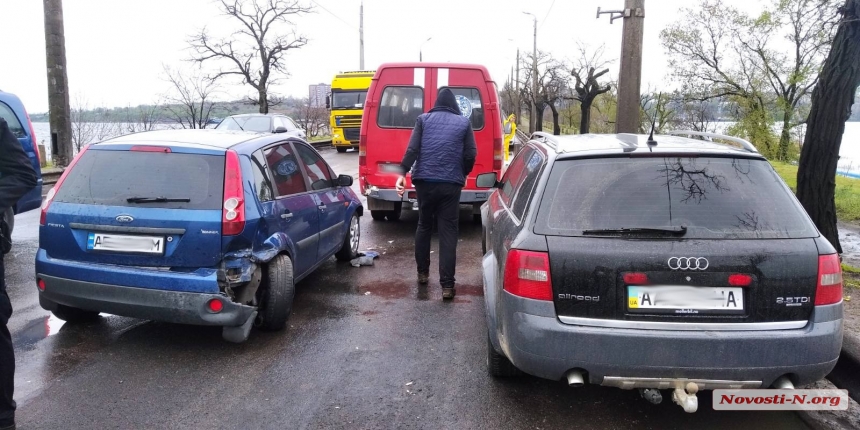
(556, 127)
(831, 107)
(264, 101)
(785, 138)
(585, 117)
(539, 117)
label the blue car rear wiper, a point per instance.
(156, 200)
(675, 231)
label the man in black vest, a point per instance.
(442, 149)
(16, 179)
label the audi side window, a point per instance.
(513, 176)
(533, 168)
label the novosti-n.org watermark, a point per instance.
(780, 400)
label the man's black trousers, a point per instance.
(439, 201)
(7, 356)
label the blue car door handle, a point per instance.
(321, 208)
(287, 214)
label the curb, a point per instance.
(846, 374)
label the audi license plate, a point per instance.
(124, 243)
(681, 300)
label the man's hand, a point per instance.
(401, 185)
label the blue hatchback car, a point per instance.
(12, 110)
(202, 227)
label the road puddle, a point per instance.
(37, 330)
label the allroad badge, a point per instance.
(124, 218)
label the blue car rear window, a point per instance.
(109, 178)
(14, 124)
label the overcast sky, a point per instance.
(115, 48)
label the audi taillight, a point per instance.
(233, 217)
(527, 275)
(53, 191)
(635, 278)
(498, 156)
(829, 289)
(740, 280)
(362, 150)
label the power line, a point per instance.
(547, 14)
(333, 14)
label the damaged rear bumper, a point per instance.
(145, 303)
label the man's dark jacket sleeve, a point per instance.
(414, 147)
(17, 176)
(470, 152)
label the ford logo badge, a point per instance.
(124, 218)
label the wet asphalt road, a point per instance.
(364, 348)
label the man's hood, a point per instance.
(446, 102)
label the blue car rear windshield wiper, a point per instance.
(675, 231)
(157, 200)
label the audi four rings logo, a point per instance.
(688, 263)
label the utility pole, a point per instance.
(361, 36)
(630, 75)
(533, 115)
(58, 84)
(519, 108)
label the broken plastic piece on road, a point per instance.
(409, 383)
(367, 293)
(365, 259)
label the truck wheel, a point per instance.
(378, 215)
(341, 149)
(277, 303)
(497, 364)
(349, 249)
(74, 315)
(6, 234)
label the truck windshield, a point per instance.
(348, 99)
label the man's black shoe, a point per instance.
(423, 278)
(448, 293)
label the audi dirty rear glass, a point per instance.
(111, 178)
(680, 197)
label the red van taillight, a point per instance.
(53, 191)
(233, 217)
(498, 157)
(362, 150)
(829, 289)
(527, 275)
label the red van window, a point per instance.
(400, 107)
(470, 105)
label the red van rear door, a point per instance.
(398, 99)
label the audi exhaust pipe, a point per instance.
(574, 379)
(783, 383)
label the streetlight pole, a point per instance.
(421, 47)
(630, 75)
(58, 85)
(533, 117)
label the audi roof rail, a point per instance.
(546, 138)
(745, 144)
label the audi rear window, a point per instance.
(711, 197)
(109, 178)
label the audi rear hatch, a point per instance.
(675, 239)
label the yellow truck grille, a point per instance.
(348, 120)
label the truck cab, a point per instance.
(348, 93)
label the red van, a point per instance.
(399, 93)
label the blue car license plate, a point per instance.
(125, 243)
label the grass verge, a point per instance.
(847, 194)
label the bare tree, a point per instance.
(90, 125)
(142, 118)
(191, 97)
(551, 86)
(587, 87)
(657, 109)
(695, 114)
(256, 51)
(808, 25)
(313, 119)
(831, 107)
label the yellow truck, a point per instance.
(348, 91)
